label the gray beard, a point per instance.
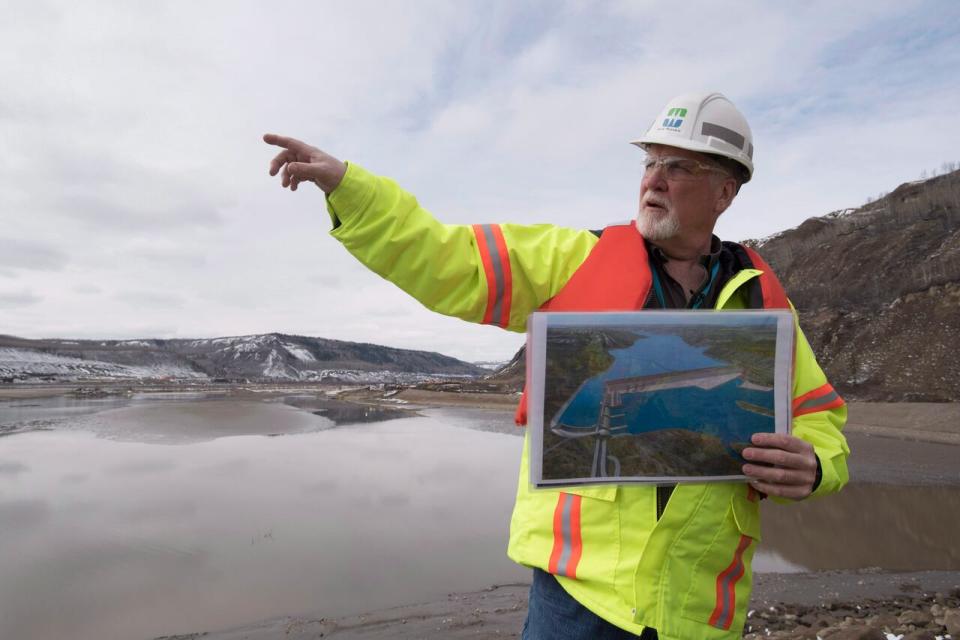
(662, 228)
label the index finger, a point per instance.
(282, 141)
(781, 441)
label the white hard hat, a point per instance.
(704, 122)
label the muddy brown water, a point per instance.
(140, 517)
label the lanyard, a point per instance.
(697, 300)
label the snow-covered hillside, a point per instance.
(265, 357)
(29, 363)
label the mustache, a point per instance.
(656, 202)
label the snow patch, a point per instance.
(299, 353)
(245, 347)
(274, 367)
(491, 365)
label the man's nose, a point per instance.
(654, 179)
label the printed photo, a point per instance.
(651, 396)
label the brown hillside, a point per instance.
(878, 290)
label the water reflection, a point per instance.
(32, 414)
(212, 533)
(342, 413)
(186, 422)
(868, 525)
(22, 514)
(11, 468)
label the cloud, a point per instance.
(326, 281)
(20, 254)
(99, 190)
(162, 252)
(87, 289)
(151, 299)
(22, 298)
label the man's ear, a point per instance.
(728, 192)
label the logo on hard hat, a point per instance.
(674, 118)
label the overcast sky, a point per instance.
(134, 195)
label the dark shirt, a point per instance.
(706, 294)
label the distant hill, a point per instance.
(266, 357)
(878, 292)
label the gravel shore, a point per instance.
(839, 605)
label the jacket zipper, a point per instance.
(663, 496)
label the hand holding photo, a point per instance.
(781, 465)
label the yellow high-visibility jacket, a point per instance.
(688, 572)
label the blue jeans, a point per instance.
(554, 615)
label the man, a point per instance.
(613, 561)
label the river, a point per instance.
(148, 516)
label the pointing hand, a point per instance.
(302, 163)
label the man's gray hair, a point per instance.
(736, 170)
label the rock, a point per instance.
(884, 621)
(951, 620)
(920, 634)
(937, 610)
(814, 620)
(795, 634)
(855, 633)
(917, 618)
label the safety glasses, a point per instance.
(676, 168)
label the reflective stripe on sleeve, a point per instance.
(820, 399)
(496, 266)
(567, 543)
(722, 615)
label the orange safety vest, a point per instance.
(620, 262)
